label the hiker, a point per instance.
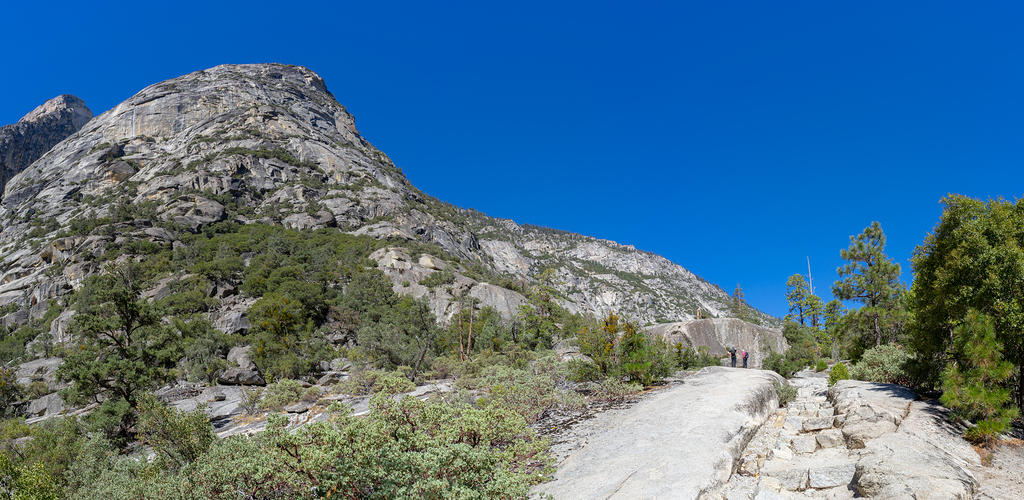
(744, 359)
(732, 354)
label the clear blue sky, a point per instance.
(735, 138)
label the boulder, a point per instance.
(830, 438)
(794, 479)
(332, 378)
(240, 376)
(341, 365)
(46, 406)
(38, 370)
(804, 443)
(830, 476)
(300, 407)
(858, 434)
(719, 334)
(233, 317)
(221, 402)
(240, 356)
(817, 423)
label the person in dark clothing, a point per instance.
(732, 354)
(744, 359)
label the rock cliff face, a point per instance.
(24, 142)
(719, 334)
(269, 143)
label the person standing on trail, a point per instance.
(732, 354)
(744, 359)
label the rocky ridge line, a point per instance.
(34, 134)
(269, 143)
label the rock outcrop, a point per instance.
(274, 141)
(34, 134)
(681, 442)
(857, 439)
(719, 334)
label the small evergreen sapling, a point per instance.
(974, 385)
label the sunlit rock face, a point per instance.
(720, 334)
(34, 134)
(269, 143)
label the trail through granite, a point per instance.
(857, 439)
(676, 443)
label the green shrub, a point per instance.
(621, 349)
(26, 481)
(530, 395)
(365, 382)
(403, 448)
(178, 438)
(438, 278)
(10, 392)
(821, 365)
(837, 373)
(584, 371)
(281, 393)
(974, 388)
(251, 399)
(886, 363)
(613, 389)
(689, 358)
(787, 393)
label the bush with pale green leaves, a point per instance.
(613, 390)
(365, 382)
(886, 363)
(403, 448)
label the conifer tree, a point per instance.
(832, 327)
(973, 259)
(124, 350)
(974, 384)
(871, 278)
(797, 295)
(739, 306)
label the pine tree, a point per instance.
(871, 278)
(813, 309)
(832, 327)
(797, 294)
(974, 384)
(123, 350)
(739, 306)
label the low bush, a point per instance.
(886, 363)
(689, 358)
(438, 278)
(614, 390)
(403, 448)
(177, 438)
(530, 392)
(365, 382)
(786, 392)
(621, 349)
(251, 397)
(837, 373)
(281, 393)
(821, 365)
